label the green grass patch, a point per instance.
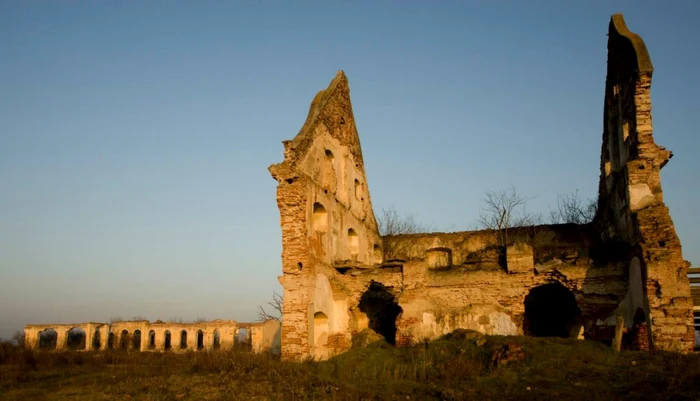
(455, 367)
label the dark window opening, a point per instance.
(342, 269)
(380, 306)
(168, 343)
(136, 339)
(48, 339)
(216, 342)
(97, 339)
(124, 339)
(183, 339)
(152, 339)
(75, 338)
(550, 311)
(200, 339)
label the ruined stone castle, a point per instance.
(340, 276)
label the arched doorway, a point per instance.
(216, 342)
(48, 339)
(550, 311)
(320, 334)
(152, 339)
(183, 339)
(168, 340)
(136, 339)
(124, 339)
(200, 339)
(75, 339)
(380, 306)
(97, 339)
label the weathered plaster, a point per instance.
(628, 258)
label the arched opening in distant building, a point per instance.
(76, 339)
(200, 339)
(124, 339)
(216, 342)
(136, 339)
(168, 340)
(48, 339)
(183, 339)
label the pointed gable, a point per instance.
(331, 108)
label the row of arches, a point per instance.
(551, 310)
(76, 339)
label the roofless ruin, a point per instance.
(340, 276)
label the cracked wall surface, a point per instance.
(629, 259)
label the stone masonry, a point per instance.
(630, 202)
(142, 335)
(340, 276)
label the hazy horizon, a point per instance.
(135, 136)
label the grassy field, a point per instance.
(455, 367)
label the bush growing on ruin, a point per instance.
(505, 209)
(572, 209)
(392, 225)
(276, 305)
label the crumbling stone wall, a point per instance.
(325, 212)
(630, 204)
(441, 281)
(484, 289)
(626, 263)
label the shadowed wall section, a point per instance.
(631, 208)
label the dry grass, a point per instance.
(452, 368)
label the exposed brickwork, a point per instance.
(631, 207)
(629, 259)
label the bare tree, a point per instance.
(18, 338)
(572, 209)
(391, 226)
(506, 209)
(276, 305)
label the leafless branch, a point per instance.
(572, 209)
(18, 338)
(391, 226)
(506, 209)
(276, 305)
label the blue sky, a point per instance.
(135, 136)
